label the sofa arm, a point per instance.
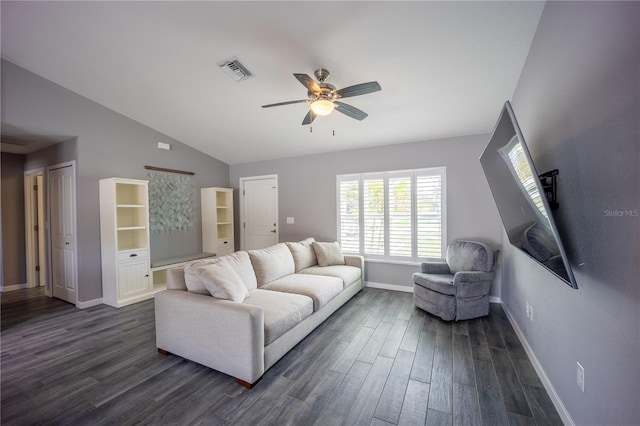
(435, 268)
(223, 335)
(354, 260)
(472, 283)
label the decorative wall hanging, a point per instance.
(170, 201)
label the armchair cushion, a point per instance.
(470, 256)
(435, 268)
(442, 283)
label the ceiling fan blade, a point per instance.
(358, 89)
(308, 82)
(308, 119)
(286, 103)
(351, 111)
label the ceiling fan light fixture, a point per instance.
(322, 107)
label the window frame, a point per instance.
(385, 176)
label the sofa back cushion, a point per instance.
(239, 261)
(303, 254)
(328, 253)
(272, 263)
(218, 279)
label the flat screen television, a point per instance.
(520, 197)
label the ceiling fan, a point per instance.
(323, 97)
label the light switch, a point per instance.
(290, 221)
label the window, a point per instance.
(394, 216)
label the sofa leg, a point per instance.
(247, 384)
(162, 352)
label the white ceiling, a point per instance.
(445, 68)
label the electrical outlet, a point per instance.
(580, 377)
(529, 311)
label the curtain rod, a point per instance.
(162, 169)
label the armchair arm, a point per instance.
(223, 335)
(472, 283)
(435, 268)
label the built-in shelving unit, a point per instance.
(217, 220)
(124, 239)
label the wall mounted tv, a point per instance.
(520, 198)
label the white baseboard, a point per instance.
(88, 303)
(394, 287)
(557, 402)
(13, 287)
(495, 299)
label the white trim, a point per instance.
(553, 395)
(13, 287)
(495, 299)
(394, 287)
(88, 303)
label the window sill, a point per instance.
(392, 262)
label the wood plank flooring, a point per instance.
(377, 361)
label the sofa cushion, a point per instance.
(239, 261)
(441, 283)
(219, 279)
(282, 311)
(303, 254)
(328, 253)
(320, 289)
(272, 263)
(348, 274)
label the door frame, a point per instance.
(49, 287)
(30, 208)
(243, 181)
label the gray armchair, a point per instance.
(459, 288)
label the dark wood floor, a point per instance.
(377, 361)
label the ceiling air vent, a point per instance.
(234, 69)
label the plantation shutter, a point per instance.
(373, 209)
(429, 212)
(395, 216)
(400, 227)
(349, 215)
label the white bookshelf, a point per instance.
(217, 220)
(124, 239)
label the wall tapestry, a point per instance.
(170, 202)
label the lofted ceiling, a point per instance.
(445, 68)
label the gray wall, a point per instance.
(14, 268)
(307, 192)
(107, 144)
(578, 103)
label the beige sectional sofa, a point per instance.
(240, 313)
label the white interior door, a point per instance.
(259, 212)
(63, 227)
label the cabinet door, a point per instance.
(133, 279)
